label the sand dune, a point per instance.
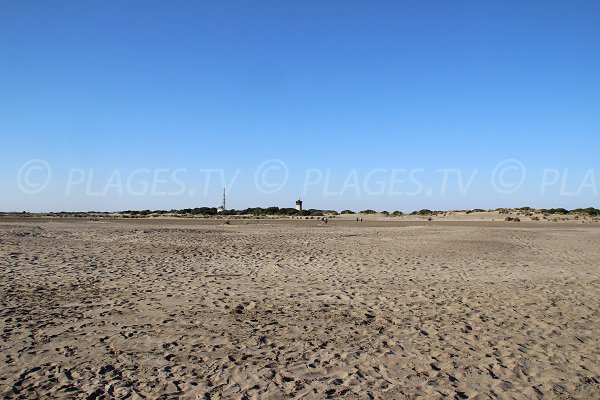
(167, 310)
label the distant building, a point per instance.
(299, 205)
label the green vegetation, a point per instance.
(274, 211)
(474, 210)
(260, 212)
(424, 211)
(554, 211)
(588, 211)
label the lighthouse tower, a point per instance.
(299, 205)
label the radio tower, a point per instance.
(221, 208)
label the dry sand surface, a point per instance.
(169, 309)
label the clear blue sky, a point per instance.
(338, 86)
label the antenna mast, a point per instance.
(223, 205)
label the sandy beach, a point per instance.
(298, 308)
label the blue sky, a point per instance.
(151, 93)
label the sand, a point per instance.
(296, 308)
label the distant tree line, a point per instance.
(276, 211)
(210, 211)
(247, 211)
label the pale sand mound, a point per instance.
(130, 310)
